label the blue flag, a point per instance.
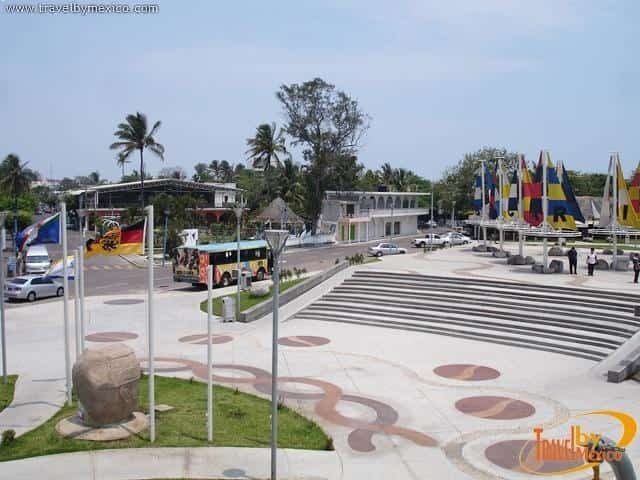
(44, 231)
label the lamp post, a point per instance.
(3, 216)
(238, 210)
(276, 240)
(453, 213)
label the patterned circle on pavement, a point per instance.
(110, 336)
(521, 455)
(303, 341)
(201, 339)
(466, 371)
(124, 301)
(495, 408)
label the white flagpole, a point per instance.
(150, 339)
(545, 209)
(3, 338)
(520, 212)
(484, 218)
(65, 302)
(80, 279)
(209, 355)
(76, 302)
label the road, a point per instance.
(119, 275)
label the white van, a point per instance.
(37, 260)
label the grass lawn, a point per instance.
(6, 391)
(247, 301)
(240, 420)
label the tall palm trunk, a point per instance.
(141, 181)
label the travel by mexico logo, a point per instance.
(581, 449)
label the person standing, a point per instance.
(573, 260)
(636, 267)
(592, 260)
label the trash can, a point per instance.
(245, 280)
(228, 309)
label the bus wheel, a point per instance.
(225, 281)
(260, 275)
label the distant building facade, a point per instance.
(112, 199)
(362, 216)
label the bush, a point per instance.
(8, 436)
(356, 259)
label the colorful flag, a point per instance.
(558, 214)
(477, 192)
(626, 214)
(572, 204)
(118, 241)
(44, 231)
(490, 185)
(634, 190)
(514, 192)
(532, 194)
(56, 270)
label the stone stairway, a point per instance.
(580, 322)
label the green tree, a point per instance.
(369, 181)
(386, 173)
(134, 176)
(202, 173)
(328, 124)
(266, 146)
(94, 178)
(135, 135)
(457, 181)
(290, 186)
(15, 181)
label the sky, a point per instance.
(438, 79)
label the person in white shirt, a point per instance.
(592, 260)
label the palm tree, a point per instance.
(94, 178)
(400, 179)
(386, 174)
(265, 147)
(291, 189)
(121, 163)
(135, 135)
(15, 180)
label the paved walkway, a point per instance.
(394, 401)
(149, 463)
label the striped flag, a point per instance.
(558, 214)
(572, 203)
(626, 214)
(634, 190)
(477, 192)
(531, 195)
(44, 231)
(56, 270)
(514, 192)
(118, 241)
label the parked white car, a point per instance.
(31, 288)
(386, 249)
(430, 240)
(455, 238)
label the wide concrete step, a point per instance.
(624, 298)
(427, 308)
(552, 296)
(569, 335)
(479, 303)
(466, 332)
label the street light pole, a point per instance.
(3, 216)
(238, 211)
(150, 333)
(276, 239)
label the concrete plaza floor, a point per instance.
(375, 391)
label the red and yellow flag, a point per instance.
(118, 241)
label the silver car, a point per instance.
(31, 288)
(386, 249)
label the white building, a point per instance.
(363, 216)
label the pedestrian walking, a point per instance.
(636, 267)
(592, 260)
(573, 260)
